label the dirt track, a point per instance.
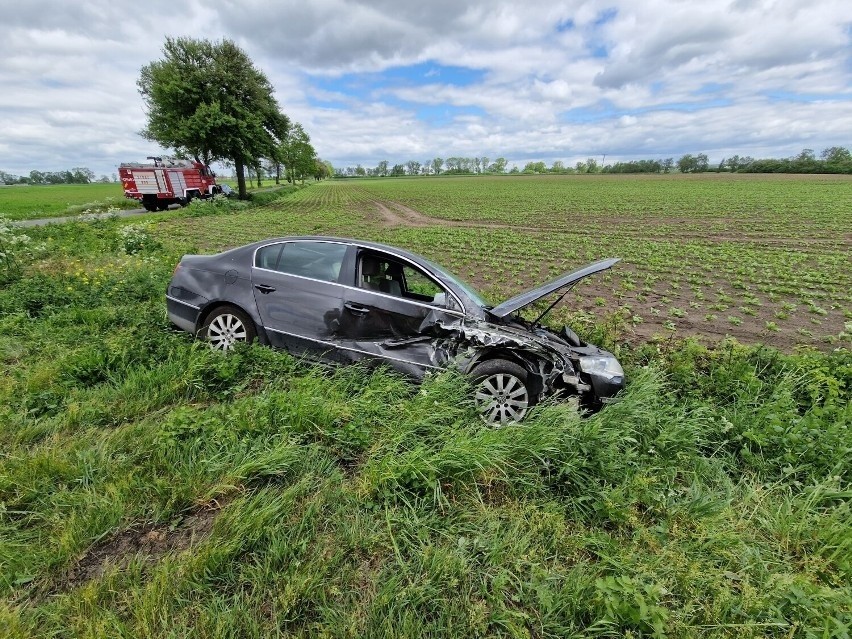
(396, 214)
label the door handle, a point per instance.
(356, 308)
(265, 289)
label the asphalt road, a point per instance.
(59, 220)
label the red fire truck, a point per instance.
(166, 181)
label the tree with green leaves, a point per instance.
(687, 163)
(297, 154)
(207, 100)
(499, 166)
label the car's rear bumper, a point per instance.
(182, 314)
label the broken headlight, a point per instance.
(604, 365)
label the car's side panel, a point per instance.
(396, 330)
(298, 313)
(198, 286)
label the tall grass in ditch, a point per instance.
(150, 487)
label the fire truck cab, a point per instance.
(166, 181)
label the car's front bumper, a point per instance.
(606, 388)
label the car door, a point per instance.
(298, 295)
(394, 312)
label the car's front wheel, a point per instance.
(227, 326)
(502, 391)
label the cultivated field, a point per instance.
(150, 487)
(764, 259)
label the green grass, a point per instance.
(150, 487)
(266, 183)
(31, 202)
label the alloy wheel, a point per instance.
(224, 331)
(502, 398)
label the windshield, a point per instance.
(468, 290)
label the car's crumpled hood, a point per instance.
(567, 279)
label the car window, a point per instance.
(455, 279)
(393, 277)
(267, 256)
(418, 282)
(317, 260)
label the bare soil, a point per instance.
(396, 214)
(148, 542)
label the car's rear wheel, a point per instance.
(227, 326)
(502, 391)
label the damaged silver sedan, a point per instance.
(340, 300)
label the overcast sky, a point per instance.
(399, 80)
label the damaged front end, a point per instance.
(558, 364)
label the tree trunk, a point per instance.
(277, 173)
(241, 178)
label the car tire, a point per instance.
(502, 391)
(227, 326)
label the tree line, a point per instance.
(77, 175)
(835, 159)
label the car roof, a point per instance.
(346, 240)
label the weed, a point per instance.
(15, 246)
(136, 238)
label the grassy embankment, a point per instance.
(150, 487)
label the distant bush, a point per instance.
(261, 198)
(215, 204)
